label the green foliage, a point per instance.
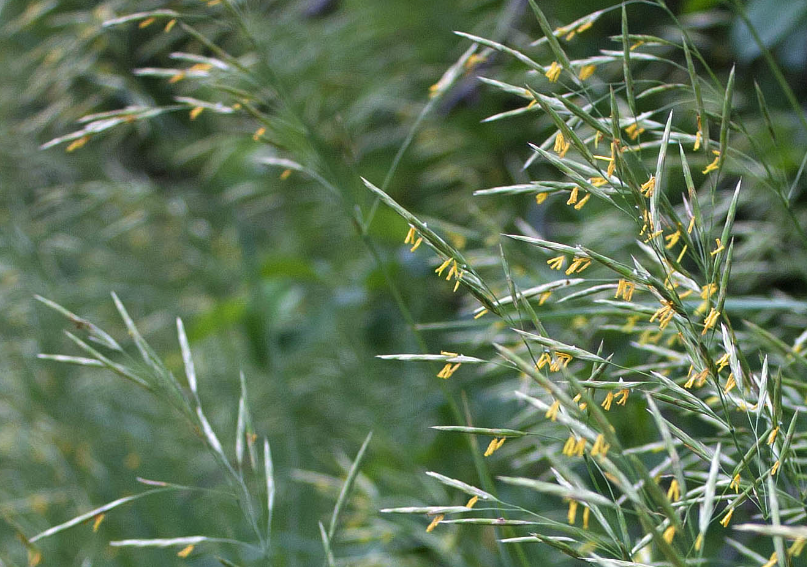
(253, 169)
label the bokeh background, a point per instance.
(181, 219)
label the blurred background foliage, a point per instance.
(180, 218)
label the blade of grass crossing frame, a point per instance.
(655, 198)
(113, 366)
(95, 334)
(249, 431)
(347, 486)
(708, 503)
(776, 521)
(626, 63)
(666, 436)
(269, 472)
(696, 89)
(240, 430)
(187, 359)
(725, 122)
(93, 513)
(503, 49)
(732, 213)
(326, 545)
(145, 351)
(565, 130)
(695, 207)
(766, 115)
(554, 44)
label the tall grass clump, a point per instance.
(620, 365)
(653, 378)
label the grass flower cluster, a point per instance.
(612, 304)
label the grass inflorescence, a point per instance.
(647, 380)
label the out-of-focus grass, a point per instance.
(179, 218)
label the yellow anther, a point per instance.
(572, 515)
(553, 72)
(710, 320)
(648, 187)
(772, 436)
(586, 71)
(674, 492)
(437, 519)
(557, 262)
(552, 412)
(669, 534)
(582, 202)
(573, 196)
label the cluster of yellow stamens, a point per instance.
(731, 383)
(648, 187)
(719, 247)
(437, 519)
(712, 166)
(562, 145)
(663, 314)
(553, 72)
(710, 321)
(571, 32)
(413, 239)
(697, 379)
(674, 492)
(634, 131)
(577, 266)
(600, 446)
(621, 396)
(494, 446)
(669, 534)
(449, 369)
(574, 446)
(610, 159)
(573, 199)
(571, 516)
(552, 412)
(555, 363)
(625, 289)
(772, 436)
(586, 71)
(454, 271)
(672, 240)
